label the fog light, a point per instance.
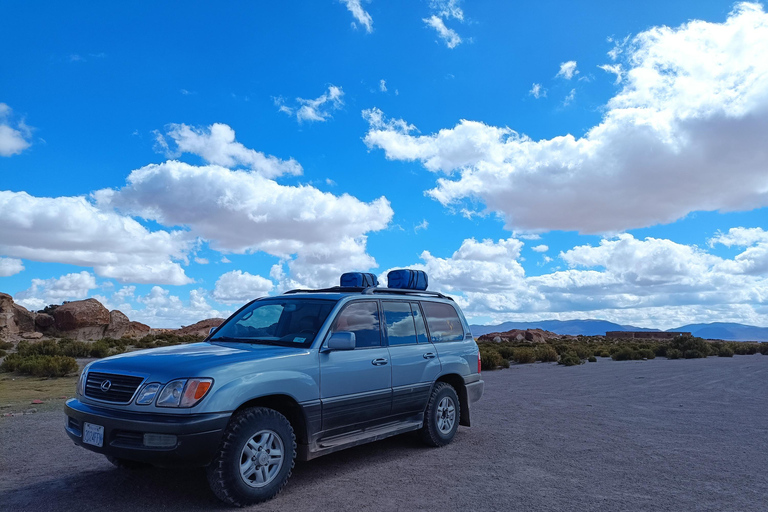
(159, 440)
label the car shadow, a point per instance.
(185, 489)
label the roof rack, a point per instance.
(370, 291)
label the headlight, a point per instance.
(147, 394)
(183, 392)
(81, 381)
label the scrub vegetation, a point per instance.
(577, 350)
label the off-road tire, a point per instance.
(224, 472)
(430, 433)
(131, 465)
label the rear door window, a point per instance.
(443, 321)
(399, 320)
(418, 319)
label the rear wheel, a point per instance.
(255, 458)
(441, 419)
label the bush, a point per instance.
(506, 351)
(546, 354)
(763, 349)
(72, 348)
(99, 349)
(569, 359)
(490, 359)
(39, 365)
(583, 351)
(40, 348)
(524, 355)
(693, 354)
(673, 353)
(6, 345)
(744, 349)
(660, 350)
(592, 359)
(504, 363)
(692, 344)
(605, 353)
(646, 353)
(725, 352)
(626, 354)
(3, 353)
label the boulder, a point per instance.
(82, 319)
(44, 321)
(31, 335)
(519, 335)
(14, 319)
(120, 326)
(201, 328)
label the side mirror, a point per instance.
(341, 341)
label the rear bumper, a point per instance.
(475, 390)
(197, 436)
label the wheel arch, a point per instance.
(285, 405)
(457, 382)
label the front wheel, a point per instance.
(255, 458)
(441, 419)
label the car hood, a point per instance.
(191, 360)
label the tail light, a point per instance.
(479, 362)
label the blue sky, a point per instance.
(359, 109)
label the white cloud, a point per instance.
(238, 287)
(71, 230)
(422, 225)
(360, 14)
(685, 133)
(754, 259)
(569, 98)
(447, 9)
(383, 85)
(43, 292)
(224, 259)
(15, 136)
(10, 266)
(651, 283)
(201, 261)
(540, 248)
(615, 69)
(159, 308)
(449, 36)
(537, 91)
(318, 109)
(216, 145)
(568, 70)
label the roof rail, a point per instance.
(370, 291)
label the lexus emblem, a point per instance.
(106, 385)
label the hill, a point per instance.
(726, 331)
(575, 327)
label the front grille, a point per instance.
(121, 388)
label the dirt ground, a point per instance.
(660, 435)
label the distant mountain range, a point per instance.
(718, 330)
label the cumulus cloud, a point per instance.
(447, 9)
(216, 145)
(72, 230)
(651, 282)
(537, 91)
(10, 266)
(686, 132)
(615, 69)
(159, 308)
(754, 259)
(540, 248)
(360, 14)
(238, 287)
(318, 109)
(568, 70)
(43, 292)
(15, 135)
(449, 36)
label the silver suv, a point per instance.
(295, 376)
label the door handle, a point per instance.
(379, 362)
(429, 355)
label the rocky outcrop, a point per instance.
(14, 319)
(121, 326)
(44, 321)
(201, 328)
(520, 336)
(82, 319)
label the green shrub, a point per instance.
(99, 349)
(673, 353)
(646, 353)
(504, 363)
(39, 348)
(72, 348)
(524, 355)
(626, 354)
(692, 344)
(490, 359)
(592, 359)
(605, 353)
(39, 365)
(660, 350)
(546, 354)
(506, 351)
(3, 353)
(569, 359)
(744, 349)
(725, 352)
(693, 354)
(583, 351)
(763, 349)
(6, 345)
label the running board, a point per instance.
(327, 445)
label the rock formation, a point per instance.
(520, 336)
(202, 328)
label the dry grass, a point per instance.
(18, 391)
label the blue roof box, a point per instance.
(358, 280)
(407, 279)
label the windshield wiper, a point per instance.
(242, 340)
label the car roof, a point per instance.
(338, 293)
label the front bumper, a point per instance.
(197, 435)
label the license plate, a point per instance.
(93, 434)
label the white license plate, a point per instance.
(93, 434)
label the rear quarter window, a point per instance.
(443, 321)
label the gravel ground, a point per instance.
(616, 436)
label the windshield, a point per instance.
(286, 322)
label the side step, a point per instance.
(326, 445)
